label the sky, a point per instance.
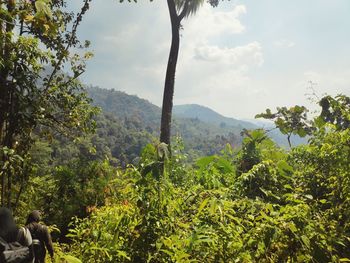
(238, 59)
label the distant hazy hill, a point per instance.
(207, 115)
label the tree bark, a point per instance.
(167, 107)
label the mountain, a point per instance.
(207, 115)
(141, 117)
(128, 123)
(124, 106)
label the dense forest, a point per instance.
(257, 203)
(203, 131)
(119, 179)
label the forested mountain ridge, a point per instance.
(126, 124)
(125, 107)
(138, 115)
(202, 129)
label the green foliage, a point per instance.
(74, 189)
(257, 204)
(41, 60)
(129, 123)
(290, 121)
(61, 255)
(105, 240)
(336, 111)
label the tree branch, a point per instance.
(70, 42)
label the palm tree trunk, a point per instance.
(168, 95)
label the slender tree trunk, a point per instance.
(3, 188)
(167, 107)
(289, 142)
(5, 105)
(9, 188)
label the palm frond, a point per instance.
(192, 6)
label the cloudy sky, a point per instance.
(238, 59)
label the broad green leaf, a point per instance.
(305, 240)
(202, 205)
(42, 6)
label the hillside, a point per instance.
(207, 115)
(135, 114)
(204, 131)
(126, 107)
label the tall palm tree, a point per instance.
(178, 10)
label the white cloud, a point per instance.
(248, 55)
(213, 73)
(217, 76)
(225, 68)
(208, 23)
(210, 72)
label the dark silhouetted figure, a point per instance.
(41, 237)
(15, 243)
